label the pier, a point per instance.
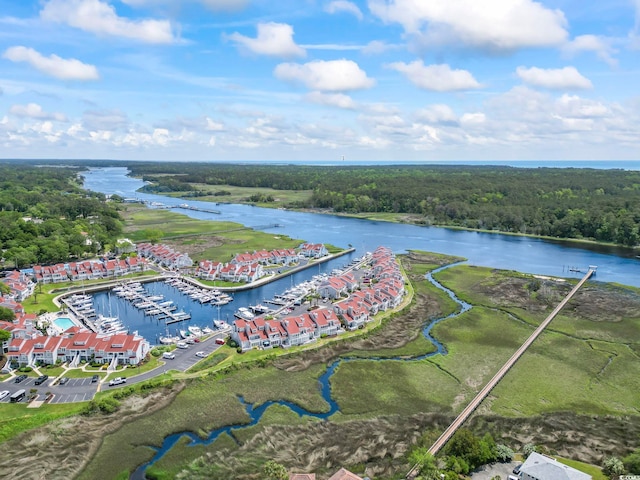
(185, 206)
(471, 407)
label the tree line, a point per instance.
(581, 203)
(46, 217)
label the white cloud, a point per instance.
(33, 110)
(339, 100)
(274, 39)
(214, 126)
(592, 43)
(104, 120)
(101, 18)
(472, 119)
(554, 78)
(487, 24)
(331, 75)
(216, 5)
(343, 6)
(438, 113)
(578, 107)
(440, 78)
(376, 47)
(53, 65)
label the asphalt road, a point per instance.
(83, 389)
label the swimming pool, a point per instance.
(63, 323)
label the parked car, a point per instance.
(169, 355)
(117, 381)
(517, 468)
(95, 378)
(4, 393)
(201, 354)
(63, 380)
(41, 379)
(220, 341)
(20, 378)
(182, 345)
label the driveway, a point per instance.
(487, 472)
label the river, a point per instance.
(525, 254)
(494, 250)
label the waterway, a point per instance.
(493, 250)
(324, 384)
(525, 254)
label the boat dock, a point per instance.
(153, 305)
(186, 206)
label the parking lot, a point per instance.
(84, 389)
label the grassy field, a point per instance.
(207, 403)
(211, 240)
(17, 418)
(241, 195)
(586, 363)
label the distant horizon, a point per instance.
(596, 164)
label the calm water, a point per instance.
(493, 250)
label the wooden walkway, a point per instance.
(468, 410)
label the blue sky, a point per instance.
(227, 80)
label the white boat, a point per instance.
(184, 333)
(244, 312)
(220, 324)
(169, 340)
(207, 330)
(195, 330)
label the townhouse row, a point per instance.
(87, 270)
(78, 344)
(249, 267)
(386, 291)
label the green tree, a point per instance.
(274, 471)
(503, 453)
(632, 462)
(7, 314)
(4, 336)
(612, 467)
(426, 463)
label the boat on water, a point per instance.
(220, 324)
(245, 313)
(185, 333)
(207, 330)
(195, 331)
(168, 340)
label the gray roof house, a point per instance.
(541, 467)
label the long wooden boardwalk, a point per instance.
(448, 433)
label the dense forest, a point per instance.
(602, 205)
(46, 217)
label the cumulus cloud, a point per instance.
(376, 47)
(487, 24)
(33, 110)
(438, 113)
(101, 18)
(554, 78)
(439, 78)
(331, 75)
(213, 126)
(592, 43)
(215, 5)
(339, 100)
(109, 120)
(53, 65)
(274, 39)
(343, 6)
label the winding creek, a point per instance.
(525, 254)
(255, 412)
